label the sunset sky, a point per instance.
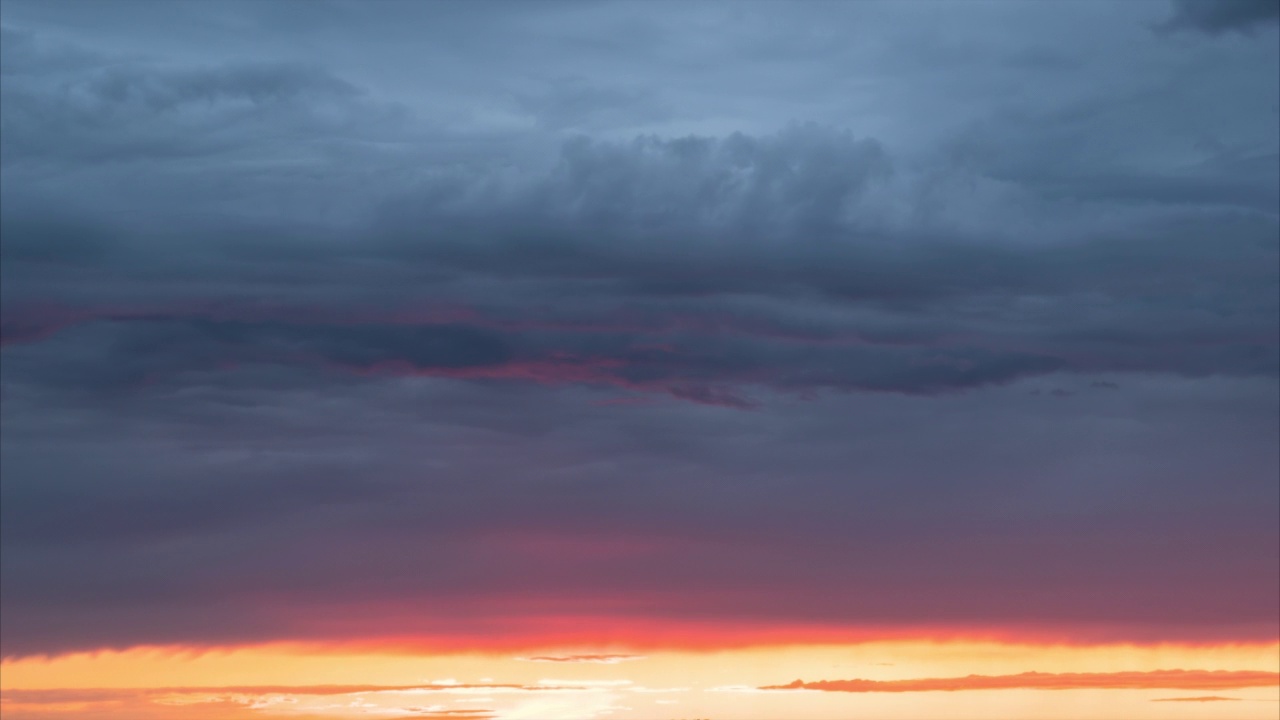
(556, 359)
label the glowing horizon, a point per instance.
(292, 681)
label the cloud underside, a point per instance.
(707, 269)
(1152, 680)
(712, 269)
(761, 275)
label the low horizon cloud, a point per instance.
(1130, 680)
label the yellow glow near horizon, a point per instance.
(671, 683)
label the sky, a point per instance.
(649, 360)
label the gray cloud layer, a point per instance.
(1216, 16)
(290, 288)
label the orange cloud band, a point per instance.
(1156, 679)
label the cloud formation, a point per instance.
(1219, 16)
(959, 327)
(1155, 679)
(594, 659)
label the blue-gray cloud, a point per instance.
(420, 304)
(1219, 16)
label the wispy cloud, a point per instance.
(1155, 679)
(597, 659)
(227, 702)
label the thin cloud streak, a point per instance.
(1149, 680)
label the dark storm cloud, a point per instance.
(310, 310)
(662, 241)
(122, 112)
(125, 354)
(1219, 16)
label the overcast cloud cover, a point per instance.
(332, 320)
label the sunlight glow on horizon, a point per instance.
(290, 682)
